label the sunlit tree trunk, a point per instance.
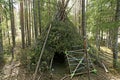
(32, 21)
(29, 23)
(27, 27)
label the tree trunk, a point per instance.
(49, 9)
(35, 19)
(98, 38)
(115, 36)
(84, 36)
(79, 19)
(22, 24)
(39, 16)
(1, 41)
(12, 25)
(110, 38)
(29, 23)
(27, 27)
(115, 48)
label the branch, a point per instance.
(42, 51)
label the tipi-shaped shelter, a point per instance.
(63, 36)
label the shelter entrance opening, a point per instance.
(59, 62)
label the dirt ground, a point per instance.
(15, 71)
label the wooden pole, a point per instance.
(84, 36)
(42, 51)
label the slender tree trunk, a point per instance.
(109, 40)
(115, 36)
(1, 41)
(75, 15)
(12, 22)
(26, 22)
(49, 9)
(22, 24)
(101, 36)
(29, 23)
(12, 26)
(98, 38)
(32, 22)
(84, 36)
(79, 19)
(39, 15)
(115, 48)
(35, 19)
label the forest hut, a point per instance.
(63, 35)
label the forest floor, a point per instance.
(15, 71)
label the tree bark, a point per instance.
(1, 41)
(22, 24)
(39, 16)
(29, 23)
(35, 19)
(12, 26)
(115, 36)
(79, 19)
(12, 22)
(85, 36)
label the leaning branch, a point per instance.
(42, 51)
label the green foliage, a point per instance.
(62, 37)
(45, 9)
(4, 7)
(25, 59)
(4, 12)
(118, 66)
(101, 14)
(94, 71)
(2, 61)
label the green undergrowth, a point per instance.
(25, 59)
(2, 62)
(118, 66)
(5, 57)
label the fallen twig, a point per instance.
(74, 75)
(39, 77)
(106, 70)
